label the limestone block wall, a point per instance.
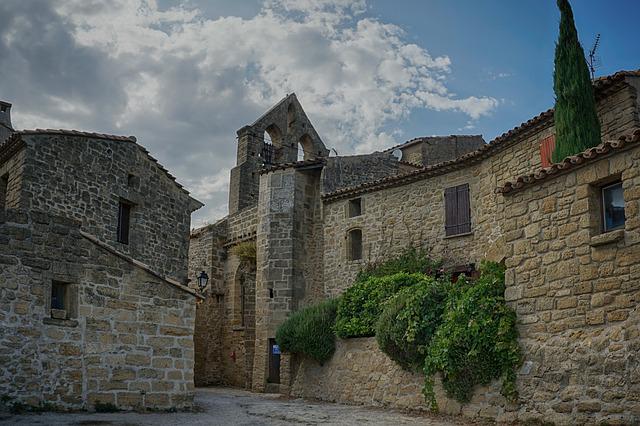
(576, 295)
(242, 225)
(413, 213)
(207, 253)
(85, 178)
(129, 338)
(359, 373)
(345, 171)
(11, 172)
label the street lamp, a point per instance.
(203, 279)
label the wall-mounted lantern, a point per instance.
(203, 280)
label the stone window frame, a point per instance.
(603, 213)
(350, 207)
(68, 316)
(349, 245)
(599, 235)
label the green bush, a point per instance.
(361, 304)
(410, 261)
(409, 321)
(477, 340)
(310, 331)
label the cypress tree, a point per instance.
(576, 119)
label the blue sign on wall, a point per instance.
(275, 350)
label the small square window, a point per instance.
(58, 295)
(612, 207)
(355, 207)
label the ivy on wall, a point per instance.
(477, 340)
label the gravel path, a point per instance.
(225, 406)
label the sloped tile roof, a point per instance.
(602, 87)
(572, 162)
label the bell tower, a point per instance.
(282, 135)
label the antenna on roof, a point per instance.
(594, 61)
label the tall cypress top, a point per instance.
(576, 120)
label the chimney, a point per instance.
(5, 121)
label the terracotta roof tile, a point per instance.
(571, 162)
(601, 85)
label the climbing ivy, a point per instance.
(409, 321)
(477, 340)
(361, 304)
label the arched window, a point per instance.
(354, 244)
(272, 139)
(305, 148)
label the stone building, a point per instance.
(567, 233)
(6, 128)
(95, 304)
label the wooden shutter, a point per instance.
(547, 146)
(457, 210)
(464, 209)
(451, 209)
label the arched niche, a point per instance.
(305, 148)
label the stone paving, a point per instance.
(224, 406)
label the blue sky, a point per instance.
(184, 75)
(502, 49)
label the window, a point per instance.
(612, 207)
(457, 210)
(4, 189)
(124, 218)
(58, 298)
(63, 301)
(354, 244)
(355, 207)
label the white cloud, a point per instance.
(189, 82)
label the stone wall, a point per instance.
(575, 291)
(11, 173)
(413, 212)
(207, 253)
(85, 178)
(345, 171)
(128, 337)
(359, 373)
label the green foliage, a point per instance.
(576, 119)
(105, 407)
(477, 340)
(361, 304)
(409, 321)
(310, 331)
(245, 251)
(410, 261)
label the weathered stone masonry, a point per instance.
(124, 334)
(577, 317)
